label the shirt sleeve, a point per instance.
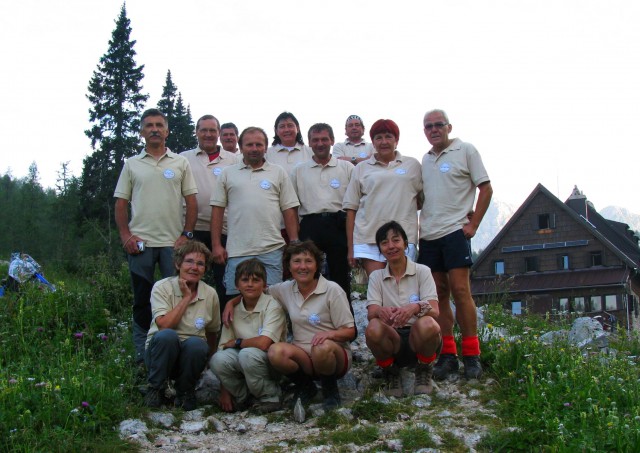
(374, 289)
(124, 187)
(274, 322)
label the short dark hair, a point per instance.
(319, 127)
(153, 112)
(251, 129)
(394, 226)
(251, 268)
(303, 247)
(191, 246)
(230, 126)
(286, 116)
(207, 117)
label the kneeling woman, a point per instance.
(402, 303)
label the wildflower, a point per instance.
(41, 384)
(78, 335)
(85, 404)
(489, 326)
(40, 329)
(75, 410)
(31, 379)
(104, 337)
(567, 404)
(637, 418)
(589, 400)
(56, 388)
(13, 381)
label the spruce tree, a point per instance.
(115, 92)
(181, 127)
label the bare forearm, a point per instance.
(291, 223)
(191, 214)
(484, 199)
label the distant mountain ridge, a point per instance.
(499, 214)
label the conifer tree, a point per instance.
(181, 127)
(115, 92)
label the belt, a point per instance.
(325, 214)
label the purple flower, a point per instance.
(104, 337)
(78, 335)
(85, 404)
(40, 329)
(13, 381)
(567, 404)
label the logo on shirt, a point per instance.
(169, 174)
(401, 171)
(414, 298)
(362, 154)
(314, 319)
(445, 167)
(335, 183)
(199, 323)
(264, 184)
(217, 171)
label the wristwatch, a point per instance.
(188, 234)
(425, 307)
(353, 159)
(238, 343)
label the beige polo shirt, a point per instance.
(201, 316)
(357, 150)
(205, 173)
(321, 188)
(383, 193)
(449, 180)
(254, 201)
(416, 285)
(288, 160)
(326, 308)
(267, 318)
(156, 189)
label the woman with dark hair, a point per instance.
(184, 329)
(288, 148)
(387, 186)
(322, 326)
(402, 304)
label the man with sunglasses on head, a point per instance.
(452, 170)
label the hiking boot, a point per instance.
(330, 393)
(187, 401)
(447, 364)
(155, 398)
(394, 381)
(423, 384)
(305, 390)
(472, 366)
(266, 407)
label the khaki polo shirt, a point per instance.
(416, 285)
(357, 150)
(383, 193)
(321, 188)
(201, 316)
(326, 308)
(449, 181)
(254, 201)
(156, 189)
(288, 159)
(205, 173)
(267, 318)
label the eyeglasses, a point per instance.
(438, 125)
(194, 262)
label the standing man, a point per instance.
(229, 138)
(207, 162)
(256, 195)
(354, 149)
(320, 184)
(451, 172)
(154, 182)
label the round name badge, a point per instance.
(445, 167)
(414, 298)
(335, 183)
(362, 154)
(169, 174)
(199, 323)
(217, 171)
(401, 171)
(264, 184)
(314, 319)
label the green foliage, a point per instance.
(360, 435)
(414, 438)
(375, 411)
(65, 369)
(115, 93)
(181, 128)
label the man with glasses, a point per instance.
(354, 149)
(452, 170)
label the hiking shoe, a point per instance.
(187, 401)
(266, 407)
(423, 384)
(447, 364)
(330, 393)
(394, 381)
(305, 390)
(155, 397)
(472, 366)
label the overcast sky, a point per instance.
(547, 90)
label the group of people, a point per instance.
(253, 210)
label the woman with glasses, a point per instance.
(184, 328)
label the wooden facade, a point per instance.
(561, 258)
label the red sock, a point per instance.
(470, 346)
(449, 345)
(385, 363)
(425, 359)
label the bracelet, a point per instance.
(127, 241)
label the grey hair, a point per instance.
(440, 111)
